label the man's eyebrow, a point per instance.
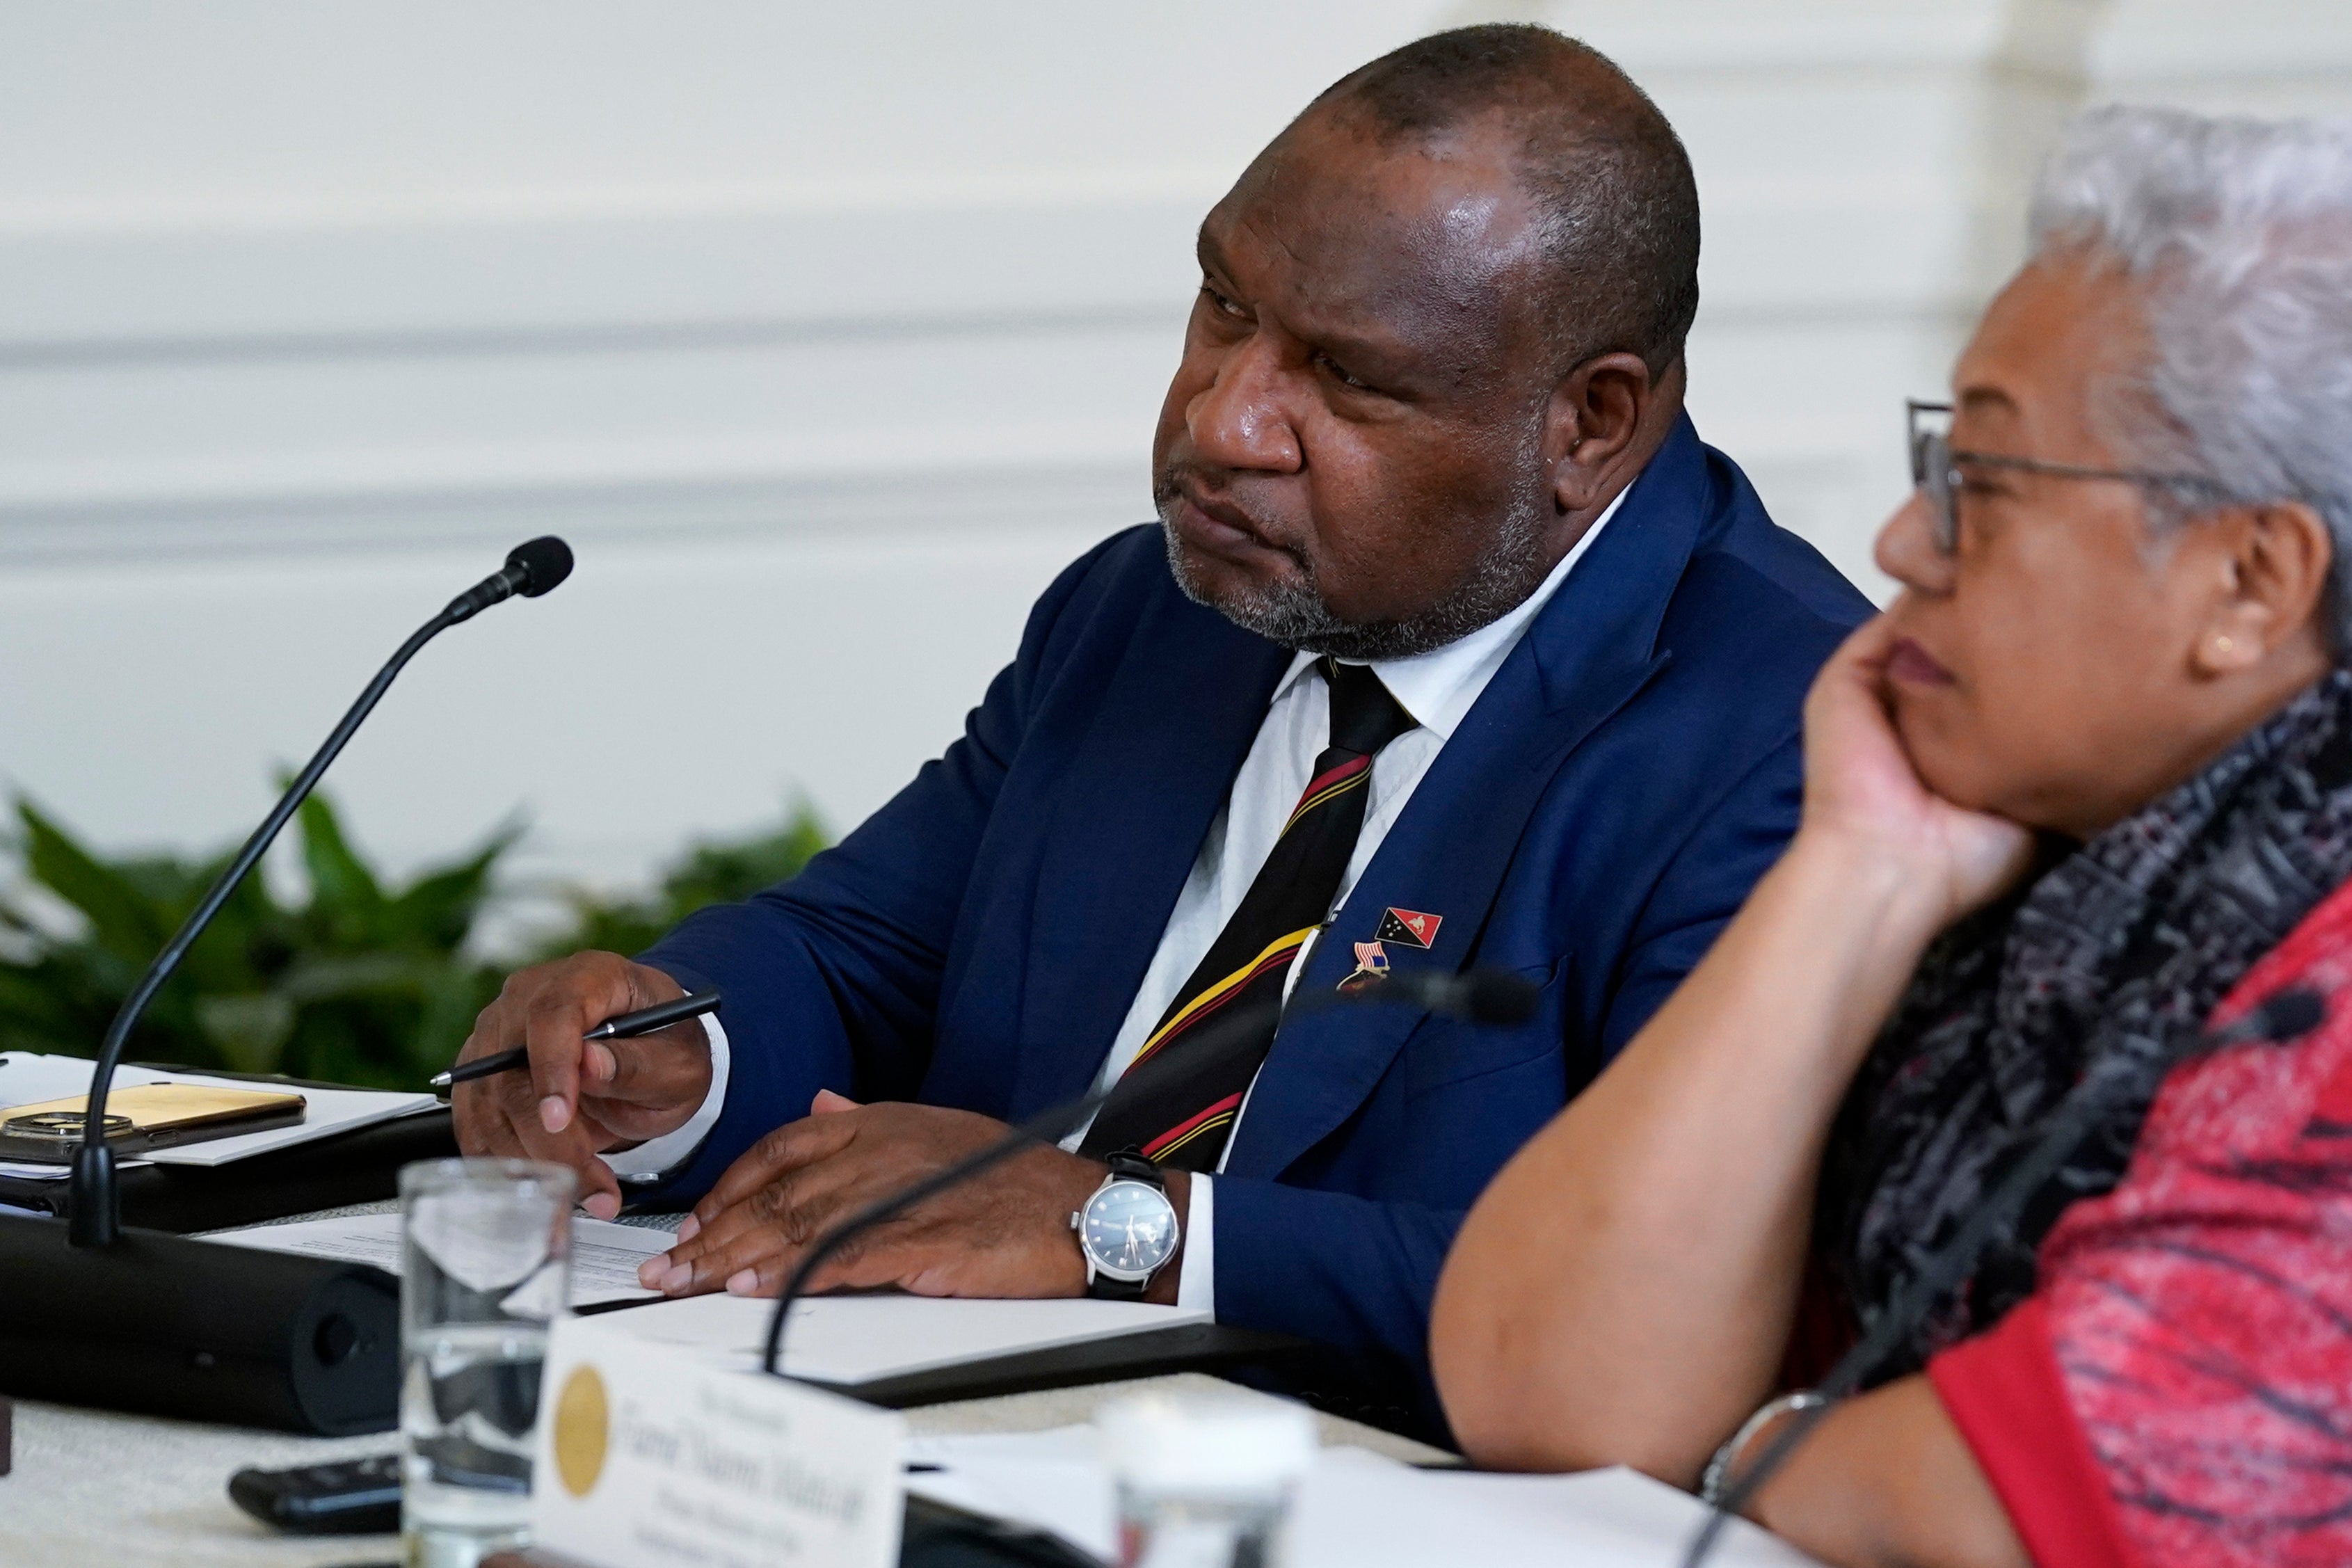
(1384, 354)
(1350, 346)
(1212, 255)
(1987, 399)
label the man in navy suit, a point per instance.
(1454, 647)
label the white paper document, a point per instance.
(849, 1340)
(1357, 1509)
(604, 1257)
(27, 1077)
(325, 1111)
(1054, 1480)
(1364, 1511)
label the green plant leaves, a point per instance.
(249, 1032)
(712, 871)
(124, 920)
(342, 889)
(438, 908)
(357, 982)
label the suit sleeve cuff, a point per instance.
(1196, 1276)
(658, 1157)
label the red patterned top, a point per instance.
(2179, 1390)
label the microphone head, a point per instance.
(1486, 996)
(1497, 996)
(542, 562)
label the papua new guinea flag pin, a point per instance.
(1410, 927)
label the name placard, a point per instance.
(652, 1456)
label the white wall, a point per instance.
(826, 334)
(1864, 169)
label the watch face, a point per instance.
(1129, 1228)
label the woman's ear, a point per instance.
(2274, 562)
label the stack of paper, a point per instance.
(1365, 1511)
(846, 1340)
(840, 1340)
(1055, 1481)
(604, 1257)
(1357, 1509)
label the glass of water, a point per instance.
(484, 1247)
(1204, 1482)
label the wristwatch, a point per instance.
(1128, 1229)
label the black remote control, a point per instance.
(355, 1497)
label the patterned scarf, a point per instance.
(2108, 964)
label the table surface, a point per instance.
(93, 1487)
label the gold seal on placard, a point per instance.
(583, 1424)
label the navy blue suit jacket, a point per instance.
(1624, 779)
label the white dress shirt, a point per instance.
(1438, 689)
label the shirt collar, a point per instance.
(1439, 687)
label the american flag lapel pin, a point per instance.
(1371, 966)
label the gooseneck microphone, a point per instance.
(147, 1320)
(532, 568)
(96, 1211)
(2281, 1020)
(1483, 996)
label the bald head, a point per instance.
(1439, 330)
(1615, 223)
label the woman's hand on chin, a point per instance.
(1864, 799)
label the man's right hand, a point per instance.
(581, 1098)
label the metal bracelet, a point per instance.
(1717, 1474)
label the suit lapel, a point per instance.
(1129, 816)
(1581, 659)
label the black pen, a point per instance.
(628, 1025)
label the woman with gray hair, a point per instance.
(1997, 1070)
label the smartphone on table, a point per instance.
(143, 1117)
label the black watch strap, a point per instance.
(1131, 1166)
(1103, 1288)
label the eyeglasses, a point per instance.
(1935, 471)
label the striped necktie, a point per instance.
(1176, 1101)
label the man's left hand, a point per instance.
(1003, 1233)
